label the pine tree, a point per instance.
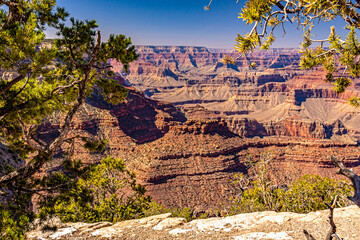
(40, 77)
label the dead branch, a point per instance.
(331, 235)
(332, 232)
(11, 83)
(308, 235)
(355, 179)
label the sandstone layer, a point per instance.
(187, 149)
(277, 95)
(188, 158)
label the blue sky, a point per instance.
(174, 22)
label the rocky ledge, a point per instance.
(260, 225)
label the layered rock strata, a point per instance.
(276, 98)
(187, 149)
(188, 158)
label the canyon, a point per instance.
(190, 122)
(277, 97)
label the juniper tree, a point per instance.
(39, 78)
(104, 192)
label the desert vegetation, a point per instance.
(258, 192)
(105, 192)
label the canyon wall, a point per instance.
(276, 98)
(188, 157)
(190, 122)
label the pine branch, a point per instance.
(11, 83)
(46, 154)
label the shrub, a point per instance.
(309, 193)
(12, 226)
(156, 209)
(106, 192)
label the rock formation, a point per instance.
(8, 160)
(250, 226)
(188, 157)
(277, 96)
(187, 147)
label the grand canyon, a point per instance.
(190, 122)
(179, 119)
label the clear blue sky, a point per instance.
(173, 22)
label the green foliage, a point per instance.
(254, 10)
(246, 43)
(355, 101)
(111, 91)
(269, 40)
(228, 60)
(155, 209)
(341, 84)
(106, 192)
(309, 193)
(185, 212)
(258, 192)
(12, 227)
(335, 54)
(39, 78)
(14, 221)
(95, 145)
(119, 48)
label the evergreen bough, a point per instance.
(38, 78)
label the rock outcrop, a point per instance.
(8, 160)
(250, 226)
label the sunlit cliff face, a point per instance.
(277, 95)
(191, 128)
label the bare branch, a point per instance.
(207, 7)
(332, 231)
(286, 10)
(308, 235)
(355, 179)
(325, 53)
(27, 131)
(102, 68)
(331, 235)
(22, 88)
(61, 88)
